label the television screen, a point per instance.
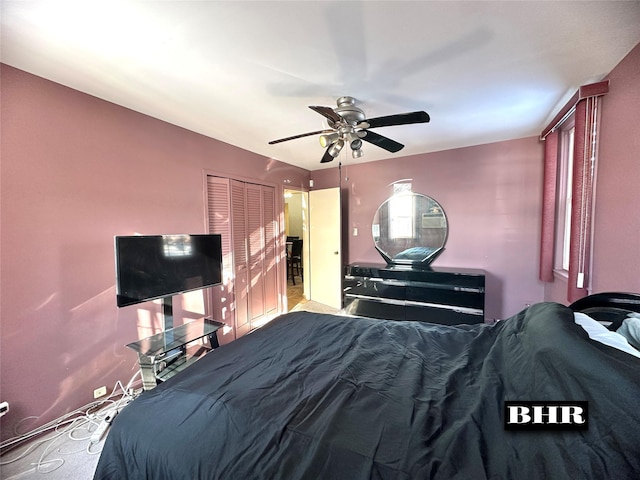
(157, 266)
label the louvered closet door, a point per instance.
(219, 216)
(256, 251)
(241, 258)
(245, 215)
(261, 226)
(269, 220)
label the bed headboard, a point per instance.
(608, 307)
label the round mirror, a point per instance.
(409, 228)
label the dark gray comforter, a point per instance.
(312, 396)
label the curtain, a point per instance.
(548, 230)
(584, 105)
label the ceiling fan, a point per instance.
(349, 126)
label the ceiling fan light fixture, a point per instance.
(355, 143)
(334, 151)
(357, 153)
(328, 139)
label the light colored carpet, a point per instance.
(62, 449)
(298, 303)
(311, 306)
(63, 455)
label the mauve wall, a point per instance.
(491, 195)
(616, 257)
(76, 171)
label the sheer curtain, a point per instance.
(584, 107)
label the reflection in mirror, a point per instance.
(409, 228)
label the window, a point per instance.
(570, 159)
(401, 211)
(401, 214)
(564, 199)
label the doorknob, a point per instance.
(336, 252)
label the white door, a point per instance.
(325, 259)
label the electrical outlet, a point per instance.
(99, 392)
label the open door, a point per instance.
(325, 256)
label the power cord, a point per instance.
(81, 424)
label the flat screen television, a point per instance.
(159, 266)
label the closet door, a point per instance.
(245, 215)
(219, 221)
(256, 251)
(270, 222)
(241, 257)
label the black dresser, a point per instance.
(402, 292)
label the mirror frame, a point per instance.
(429, 257)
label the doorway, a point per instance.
(296, 228)
(314, 217)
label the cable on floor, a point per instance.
(77, 425)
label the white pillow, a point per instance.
(630, 329)
(599, 333)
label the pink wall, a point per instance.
(616, 257)
(491, 196)
(76, 171)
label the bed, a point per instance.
(317, 396)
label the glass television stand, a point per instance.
(163, 355)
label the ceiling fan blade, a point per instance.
(382, 142)
(398, 119)
(273, 142)
(328, 113)
(326, 158)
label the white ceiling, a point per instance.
(245, 72)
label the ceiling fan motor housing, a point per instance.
(347, 109)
